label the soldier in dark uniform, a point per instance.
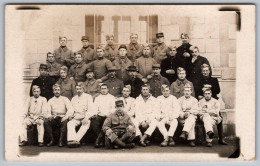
(86, 51)
(118, 128)
(115, 85)
(53, 67)
(91, 85)
(135, 82)
(160, 49)
(111, 51)
(44, 82)
(134, 50)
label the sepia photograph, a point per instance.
(129, 82)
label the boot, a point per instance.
(130, 145)
(165, 142)
(220, 134)
(171, 142)
(124, 137)
(209, 144)
(210, 134)
(98, 140)
(61, 143)
(142, 141)
(23, 143)
(183, 135)
(51, 142)
(192, 144)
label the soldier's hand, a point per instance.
(84, 121)
(64, 118)
(185, 54)
(144, 80)
(109, 132)
(99, 80)
(187, 114)
(149, 77)
(188, 108)
(170, 71)
(72, 78)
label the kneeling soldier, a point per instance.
(169, 110)
(189, 107)
(209, 113)
(83, 110)
(119, 128)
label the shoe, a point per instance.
(142, 141)
(98, 140)
(165, 142)
(40, 144)
(61, 144)
(210, 134)
(171, 142)
(209, 144)
(192, 144)
(130, 146)
(183, 135)
(50, 143)
(115, 147)
(23, 143)
(73, 144)
(222, 142)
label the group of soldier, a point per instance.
(115, 92)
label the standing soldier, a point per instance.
(67, 85)
(169, 110)
(44, 82)
(115, 85)
(177, 87)
(188, 115)
(134, 50)
(77, 71)
(160, 49)
(86, 51)
(157, 81)
(110, 49)
(53, 67)
(63, 55)
(91, 85)
(119, 128)
(59, 110)
(34, 108)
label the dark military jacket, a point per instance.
(54, 70)
(122, 66)
(136, 86)
(115, 86)
(68, 88)
(64, 56)
(155, 84)
(159, 52)
(134, 51)
(88, 54)
(78, 71)
(169, 63)
(211, 81)
(111, 52)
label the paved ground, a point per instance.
(222, 150)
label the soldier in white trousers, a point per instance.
(188, 115)
(169, 110)
(83, 111)
(34, 108)
(209, 113)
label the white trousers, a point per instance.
(173, 125)
(209, 122)
(152, 126)
(189, 126)
(72, 134)
(28, 122)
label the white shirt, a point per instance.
(59, 106)
(34, 107)
(212, 106)
(189, 104)
(168, 107)
(104, 104)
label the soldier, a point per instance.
(83, 111)
(144, 63)
(44, 82)
(160, 49)
(177, 87)
(169, 110)
(122, 63)
(157, 81)
(119, 128)
(53, 67)
(67, 85)
(34, 108)
(110, 49)
(86, 51)
(91, 85)
(129, 102)
(77, 71)
(63, 55)
(188, 115)
(115, 85)
(104, 106)
(134, 50)
(145, 109)
(169, 65)
(134, 82)
(101, 65)
(209, 113)
(59, 110)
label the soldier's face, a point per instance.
(187, 92)
(160, 40)
(184, 39)
(85, 43)
(63, 41)
(147, 51)
(205, 72)
(195, 52)
(207, 95)
(90, 75)
(126, 92)
(166, 92)
(63, 74)
(36, 92)
(145, 91)
(103, 90)
(132, 73)
(56, 91)
(120, 108)
(122, 52)
(134, 39)
(43, 72)
(78, 58)
(51, 58)
(173, 52)
(79, 90)
(156, 71)
(182, 75)
(100, 53)
(112, 74)
(110, 41)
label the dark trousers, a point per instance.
(97, 123)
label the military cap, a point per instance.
(85, 38)
(109, 36)
(43, 66)
(185, 35)
(131, 68)
(206, 87)
(80, 84)
(64, 68)
(172, 47)
(128, 87)
(164, 86)
(155, 66)
(122, 46)
(180, 69)
(132, 34)
(113, 68)
(187, 86)
(146, 45)
(159, 34)
(60, 37)
(146, 85)
(34, 87)
(119, 103)
(89, 70)
(103, 84)
(101, 47)
(56, 86)
(204, 65)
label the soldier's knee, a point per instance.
(131, 129)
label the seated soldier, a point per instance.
(104, 105)
(188, 115)
(59, 110)
(83, 110)
(169, 110)
(145, 109)
(119, 128)
(177, 87)
(34, 108)
(209, 114)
